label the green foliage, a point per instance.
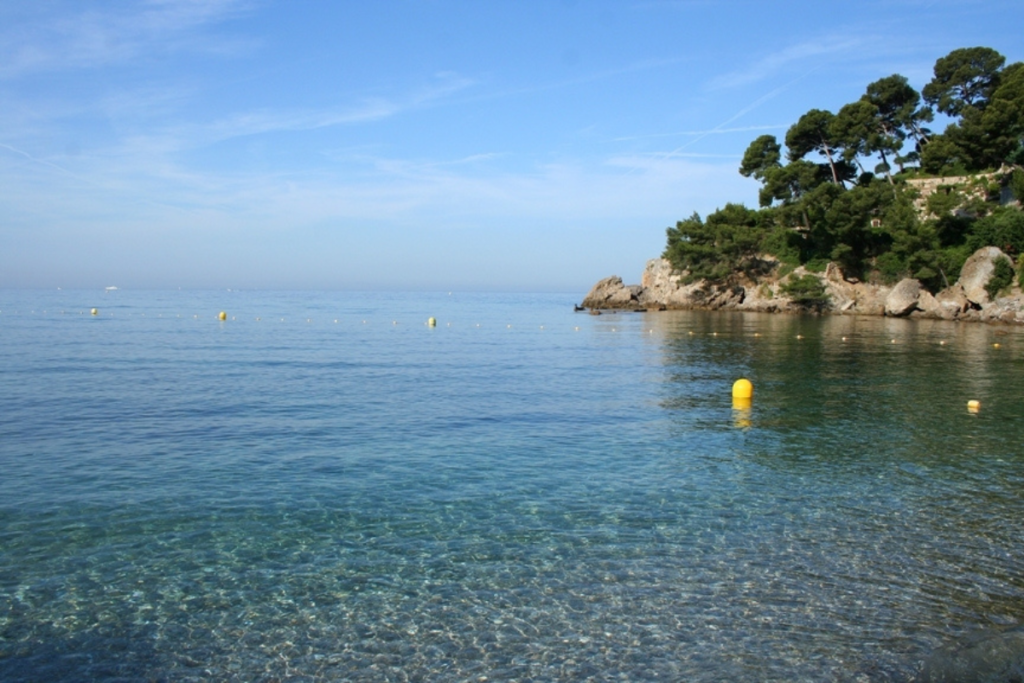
(763, 155)
(815, 132)
(1017, 184)
(989, 131)
(784, 244)
(728, 242)
(943, 156)
(806, 290)
(964, 78)
(890, 267)
(818, 211)
(1002, 276)
(1003, 228)
(945, 200)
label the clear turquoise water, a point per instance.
(324, 488)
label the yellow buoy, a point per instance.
(743, 389)
(432, 322)
(973, 405)
(741, 416)
(95, 311)
(222, 316)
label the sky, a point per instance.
(486, 145)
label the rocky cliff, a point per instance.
(967, 299)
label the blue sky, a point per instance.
(430, 144)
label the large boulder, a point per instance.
(929, 305)
(989, 657)
(662, 286)
(611, 293)
(953, 302)
(976, 273)
(903, 298)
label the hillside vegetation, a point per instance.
(874, 189)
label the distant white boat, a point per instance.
(111, 289)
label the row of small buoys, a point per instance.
(432, 322)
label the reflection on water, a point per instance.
(524, 494)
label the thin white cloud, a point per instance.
(35, 160)
(702, 133)
(773, 64)
(264, 121)
(92, 38)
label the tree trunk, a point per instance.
(831, 164)
(885, 164)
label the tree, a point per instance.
(727, 242)
(863, 131)
(1002, 121)
(899, 115)
(985, 139)
(964, 78)
(762, 160)
(813, 132)
(762, 155)
(789, 183)
(943, 155)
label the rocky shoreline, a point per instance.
(967, 299)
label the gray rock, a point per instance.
(986, 657)
(976, 273)
(662, 288)
(858, 298)
(903, 298)
(953, 302)
(611, 293)
(928, 304)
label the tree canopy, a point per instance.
(857, 201)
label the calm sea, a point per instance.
(324, 488)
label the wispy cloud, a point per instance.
(773, 64)
(93, 38)
(702, 133)
(193, 134)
